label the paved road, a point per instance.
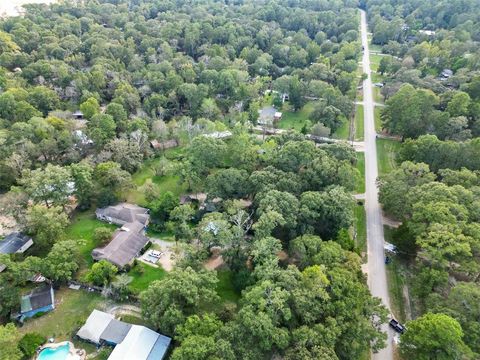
(377, 279)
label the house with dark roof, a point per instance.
(40, 300)
(163, 145)
(14, 243)
(128, 241)
(123, 213)
(129, 341)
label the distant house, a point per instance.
(129, 341)
(128, 241)
(14, 243)
(446, 73)
(82, 138)
(427, 32)
(268, 115)
(77, 115)
(219, 135)
(163, 145)
(39, 300)
(123, 213)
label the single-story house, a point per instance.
(163, 145)
(219, 135)
(40, 300)
(126, 244)
(123, 213)
(129, 341)
(446, 73)
(266, 116)
(14, 243)
(78, 115)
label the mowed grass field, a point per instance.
(72, 308)
(359, 123)
(295, 120)
(387, 150)
(82, 229)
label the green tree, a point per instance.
(30, 342)
(62, 262)
(47, 225)
(51, 185)
(9, 336)
(90, 107)
(434, 336)
(102, 273)
(101, 129)
(167, 303)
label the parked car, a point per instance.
(395, 325)
(155, 253)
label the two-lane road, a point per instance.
(377, 277)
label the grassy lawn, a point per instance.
(377, 77)
(396, 281)
(374, 47)
(82, 227)
(162, 183)
(378, 119)
(377, 95)
(361, 229)
(132, 319)
(295, 120)
(225, 287)
(386, 152)
(70, 313)
(359, 121)
(143, 275)
(343, 132)
(360, 183)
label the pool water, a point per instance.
(58, 353)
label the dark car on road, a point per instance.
(395, 325)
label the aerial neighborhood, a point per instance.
(239, 180)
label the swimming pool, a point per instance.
(58, 353)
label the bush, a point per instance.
(29, 343)
(102, 235)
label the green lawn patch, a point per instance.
(360, 229)
(386, 152)
(378, 118)
(72, 309)
(143, 275)
(377, 95)
(132, 319)
(360, 183)
(343, 132)
(396, 281)
(377, 77)
(375, 47)
(295, 119)
(83, 227)
(225, 288)
(359, 123)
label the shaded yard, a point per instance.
(225, 288)
(360, 182)
(72, 309)
(359, 123)
(83, 227)
(360, 230)
(295, 119)
(143, 275)
(387, 151)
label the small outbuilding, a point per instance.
(129, 341)
(40, 300)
